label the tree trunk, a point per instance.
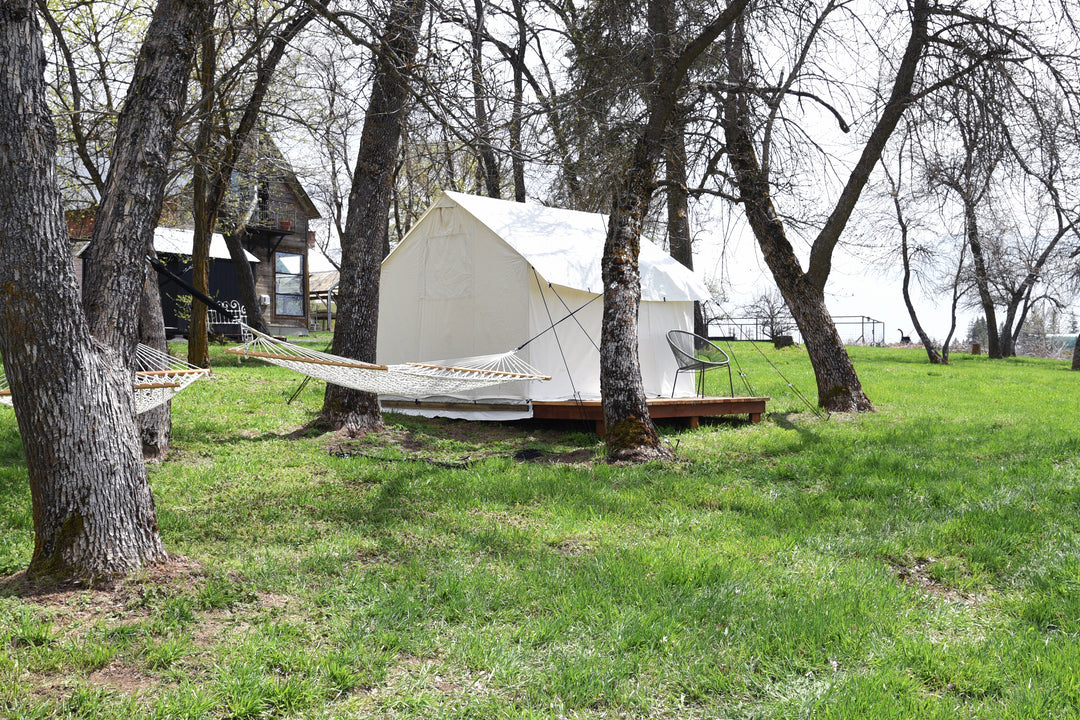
(488, 168)
(154, 425)
(982, 282)
(957, 293)
(138, 171)
(517, 116)
(1007, 337)
(1076, 354)
(235, 240)
(198, 324)
(678, 207)
(93, 510)
(631, 435)
(355, 335)
(928, 345)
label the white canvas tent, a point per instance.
(476, 276)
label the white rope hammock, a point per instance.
(408, 379)
(159, 377)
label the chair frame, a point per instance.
(688, 361)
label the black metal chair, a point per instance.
(686, 347)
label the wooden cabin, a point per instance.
(276, 211)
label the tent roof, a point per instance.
(177, 241)
(565, 247)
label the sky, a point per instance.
(854, 289)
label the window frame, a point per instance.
(299, 295)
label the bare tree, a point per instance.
(368, 217)
(969, 174)
(668, 59)
(771, 314)
(906, 251)
(839, 388)
(214, 170)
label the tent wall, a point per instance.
(569, 352)
(452, 290)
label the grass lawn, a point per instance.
(917, 562)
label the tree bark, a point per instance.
(631, 435)
(138, 171)
(198, 325)
(678, 207)
(488, 167)
(982, 281)
(517, 115)
(1076, 354)
(356, 332)
(93, 511)
(154, 425)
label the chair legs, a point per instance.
(699, 382)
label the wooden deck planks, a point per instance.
(693, 408)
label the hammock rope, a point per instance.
(159, 377)
(440, 377)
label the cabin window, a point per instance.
(289, 284)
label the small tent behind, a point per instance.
(476, 276)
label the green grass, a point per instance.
(920, 561)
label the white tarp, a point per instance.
(177, 241)
(476, 276)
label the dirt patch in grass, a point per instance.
(573, 547)
(178, 573)
(459, 443)
(366, 558)
(124, 678)
(919, 575)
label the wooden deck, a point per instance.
(692, 408)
